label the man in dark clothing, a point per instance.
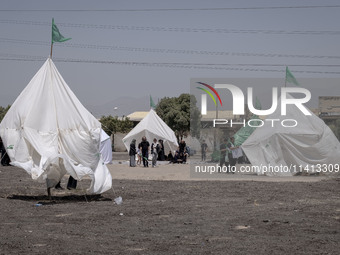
(132, 153)
(182, 151)
(182, 146)
(144, 147)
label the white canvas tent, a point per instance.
(49, 133)
(310, 143)
(152, 126)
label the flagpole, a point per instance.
(52, 39)
(56, 36)
(51, 50)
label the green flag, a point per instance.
(152, 104)
(56, 35)
(290, 78)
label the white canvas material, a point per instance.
(49, 133)
(105, 147)
(152, 126)
(310, 143)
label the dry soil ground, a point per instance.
(171, 216)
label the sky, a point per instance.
(121, 52)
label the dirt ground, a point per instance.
(170, 217)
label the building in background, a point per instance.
(329, 108)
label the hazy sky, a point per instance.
(250, 42)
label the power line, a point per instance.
(165, 51)
(178, 63)
(176, 9)
(15, 57)
(176, 29)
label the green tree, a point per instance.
(175, 112)
(3, 111)
(195, 118)
(112, 125)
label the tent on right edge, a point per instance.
(276, 150)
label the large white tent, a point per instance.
(49, 133)
(302, 147)
(152, 126)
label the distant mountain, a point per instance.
(122, 106)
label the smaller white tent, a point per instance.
(152, 126)
(302, 147)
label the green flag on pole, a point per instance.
(152, 104)
(56, 35)
(290, 77)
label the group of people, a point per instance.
(181, 154)
(142, 152)
(229, 153)
(156, 150)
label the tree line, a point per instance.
(179, 113)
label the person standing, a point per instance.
(182, 146)
(231, 147)
(204, 148)
(161, 154)
(144, 147)
(183, 151)
(154, 152)
(132, 153)
(223, 152)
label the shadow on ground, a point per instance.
(44, 200)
